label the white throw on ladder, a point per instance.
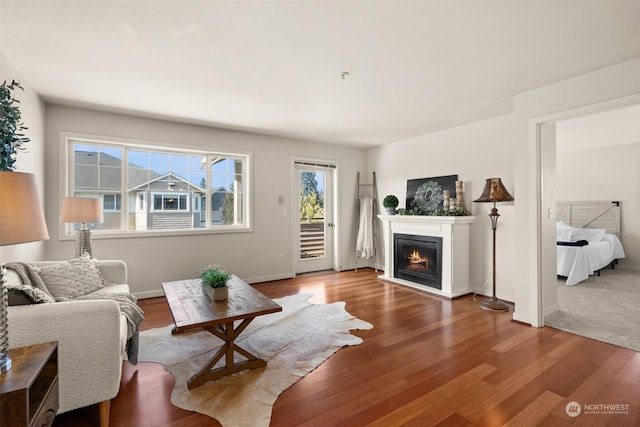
(364, 247)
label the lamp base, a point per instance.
(494, 304)
(5, 364)
(5, 360)
(83, 243)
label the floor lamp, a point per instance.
(82, 210)
(21, 221)
(494, 192)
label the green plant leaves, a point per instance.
(11, 136)
(214, 276)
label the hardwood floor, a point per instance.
(427, 361)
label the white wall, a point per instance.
(606, 173)
(474, 152)
(252, 256)
(32, 111)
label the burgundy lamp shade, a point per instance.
(494, 191)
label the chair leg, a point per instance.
(105, 407)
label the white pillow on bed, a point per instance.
(567, 233)
(589, 234)
(564, 234)
(564, 231)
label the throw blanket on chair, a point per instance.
(29, 275)
(131, 311)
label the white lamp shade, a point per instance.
(81, 210)
(21, 216)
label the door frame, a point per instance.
(335, 262)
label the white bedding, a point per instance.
(577, 263)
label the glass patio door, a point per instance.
(314, 218)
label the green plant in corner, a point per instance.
(11, 136)
(214, 276)
(390, 201)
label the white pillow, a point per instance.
(560, 224)
(564, 234)
(71, 279)
(589, 234)
(564, 231)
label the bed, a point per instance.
(588, 238)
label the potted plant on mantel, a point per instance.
(214, 282)
(390, 204)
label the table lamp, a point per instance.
(82, 210)
(21, 221)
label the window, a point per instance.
(170, 202)
(146, 189)
(111, 202)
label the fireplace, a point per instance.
(452, 268)
(418, 259)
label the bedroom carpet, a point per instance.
(293, 342)
(605, 308)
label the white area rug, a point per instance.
(293, 342)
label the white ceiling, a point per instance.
(275, 67)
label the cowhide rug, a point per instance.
(293, 342)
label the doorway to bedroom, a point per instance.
(592, 158)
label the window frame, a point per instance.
(66, 154)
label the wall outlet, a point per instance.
(281, 257)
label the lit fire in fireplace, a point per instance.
(416, 258)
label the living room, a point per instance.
(476, 145)
(501, 146)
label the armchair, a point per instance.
(91, 336)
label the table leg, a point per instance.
(228, 334)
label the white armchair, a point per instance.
(91, 336)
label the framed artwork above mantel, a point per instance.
(427, 193)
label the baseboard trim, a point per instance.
(149, 294)
(269, 278)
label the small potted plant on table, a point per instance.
(390, 204)
(214, 282)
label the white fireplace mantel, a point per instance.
(454, 231)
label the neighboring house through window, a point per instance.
(146, 189)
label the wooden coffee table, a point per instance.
(192, 309)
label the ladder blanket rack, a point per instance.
(367, 233)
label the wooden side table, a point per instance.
(29, 390)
